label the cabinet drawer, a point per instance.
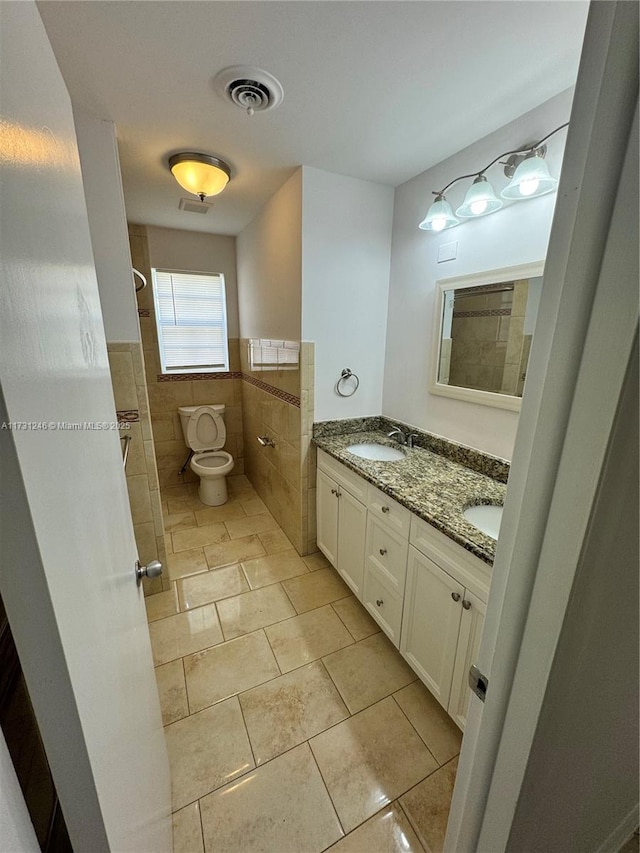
(389, 511)
(383, 603)
(387, 551)
(343, 476)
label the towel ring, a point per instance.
(347, 374)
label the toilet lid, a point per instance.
(206, 430)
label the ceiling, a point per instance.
(372, 89)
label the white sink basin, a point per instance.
(376, 452)
(486, 518)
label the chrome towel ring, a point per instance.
(347, 374)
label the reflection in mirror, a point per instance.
(486, 335)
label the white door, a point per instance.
(431, 623)
(327, 512)
(352, 528)
(67, 573)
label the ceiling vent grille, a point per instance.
(193, 206)
(251, 89)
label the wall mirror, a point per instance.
(484, 326)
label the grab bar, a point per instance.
(125, 449)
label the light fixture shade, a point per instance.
(439, 216)
(530, 179)
(480, 199)
(200, 174)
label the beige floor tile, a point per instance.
(162, 604)
(356, 618)
(185, 634)
(273, 568)
(188, 503)
(245, 613)
(228, 669)
(427, 806)
(275, 541)
(211, 586)
(181, 490)
(187, 831)
(368, 671)
(234, 551)
(316, 561)
(240, 527)
(369, 760)
(178, 521)
(239, 486)
(213, 514)
(172, 691)
(289, 710)
(206, 750)
(389, 831)
(198, 537)
(254, 506)
(308, 637)
(316, 589)
(282, 807)
(430, 720)
(186, 563)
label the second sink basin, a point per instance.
(486, 518)
(376, 452)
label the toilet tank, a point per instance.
(185, 413)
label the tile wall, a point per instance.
(278, 402)
(126, 362)
(166, 394)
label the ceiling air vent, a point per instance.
(191, 205)
(251, 89)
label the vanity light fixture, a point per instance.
(529, 177)
(200, 174)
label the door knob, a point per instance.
(151, 570)
(466, 604)
(455, 596)
(379, 602)
(385, 509)
(383, 551)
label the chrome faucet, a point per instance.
(411, 439)
(402, 436)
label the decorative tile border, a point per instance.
(194, 377)
(484, 312)
(128, 416)
(271, 389)
(144, 312)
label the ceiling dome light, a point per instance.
(531, 178)
(480, 199)
(200, 174)
(439, 216)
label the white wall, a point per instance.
(269, 256)
(517, 234)
(346, 255)
(194, 251)
(16, 829)
(108, 224)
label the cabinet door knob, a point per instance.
(466, 604)
(379, 602)
(383, 551)
(385, 509)
(455, 596)
(338, 494)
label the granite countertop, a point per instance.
(433, 487)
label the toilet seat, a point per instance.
(206, 430)
(212, 463)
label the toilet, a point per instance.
(205, 433)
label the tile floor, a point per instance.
(292, 724)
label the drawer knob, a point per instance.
(455, 596)
(466, 604)
(385, 509)
(379, 602)
(383, 551)
(333, 492)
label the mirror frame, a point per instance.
(456, 392)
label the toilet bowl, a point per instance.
(205, 433)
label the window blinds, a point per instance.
(192, 321)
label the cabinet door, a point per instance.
(327, 517)
(430, 624)
(466, 655)
(352, 528)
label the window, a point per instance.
(191, 316)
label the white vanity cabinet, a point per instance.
(342, 520)
(445, 605)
